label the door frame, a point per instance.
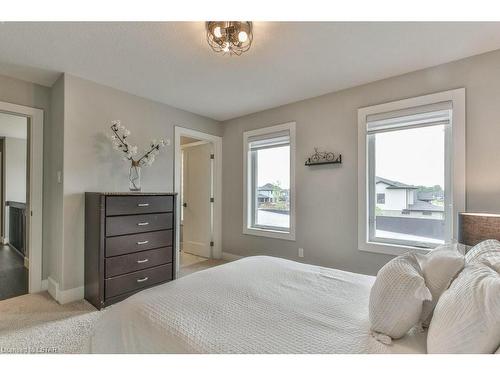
(217, 188)
(2, 193)
(34, 189)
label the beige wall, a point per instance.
(15, 169)
(327, 196)
(54, 149)
(90, 164)
(29, 94)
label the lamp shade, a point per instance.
(477, 227)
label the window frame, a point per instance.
(455, 158)
(380, 198)
(248, 191)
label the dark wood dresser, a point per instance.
(129, 244)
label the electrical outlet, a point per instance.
(301, 252)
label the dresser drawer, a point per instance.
(137, 280)
(119, 225)
(121, 245)
(136, 205)
(137, 261)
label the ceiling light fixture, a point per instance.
(229, 37)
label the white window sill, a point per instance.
(290, 236)
(389, 249)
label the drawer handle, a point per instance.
(143, 260)
(143, 205)
(143, 224)
(142, 242)
(143, 279)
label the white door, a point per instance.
(197, 188)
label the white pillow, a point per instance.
(439, 268)
(396, 298)
(467, 316)
(487, 251)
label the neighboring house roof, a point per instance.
(264, 196)
(394, 184)
(425, 206)
(267, 187)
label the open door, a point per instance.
(196, 199)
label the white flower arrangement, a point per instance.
(121, 144)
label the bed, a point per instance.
(253, 305)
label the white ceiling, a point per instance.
(12, 126)
(289, 61)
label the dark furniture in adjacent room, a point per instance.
(129, 244)
(17, 225)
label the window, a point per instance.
(269, 158)
(411, 169)
(407, 158)
(380, 198)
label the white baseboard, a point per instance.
(71, 295)
(230, 257)
(64, 296)
(52, 287)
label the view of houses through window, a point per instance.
(269, 165)
(409, 184)
(273, 187)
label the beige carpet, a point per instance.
(191, 263)
(35, 323)
(188, 259)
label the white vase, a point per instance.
(134, 177)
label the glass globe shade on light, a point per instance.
(217, 32)
(242, 36)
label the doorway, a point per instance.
(197, 181)
(21, 179)
(14, 255)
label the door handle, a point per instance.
(142, 204)
(142, 242)
(143, 224)
(184, 204)
(142, 260)
(143, 279)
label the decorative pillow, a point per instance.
(396, 298)
(486, 251)
(439, 268)
(467, 316)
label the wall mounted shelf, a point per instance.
(321, 158)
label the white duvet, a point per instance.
(253, 305)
